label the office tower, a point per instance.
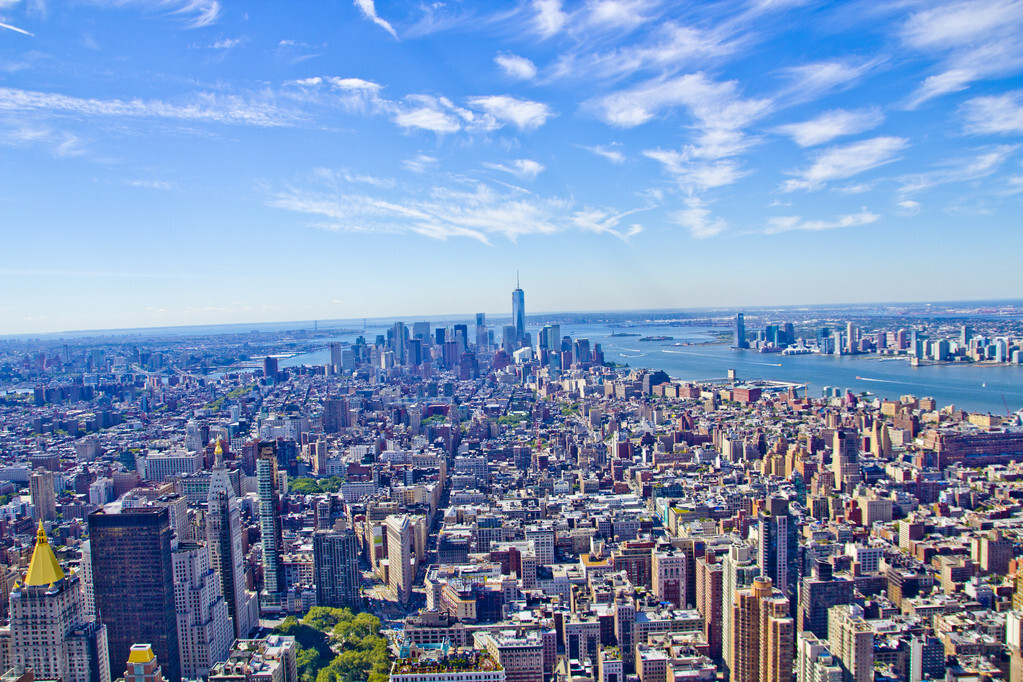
(818, 593)
(400, 566)
(519, 313)
(965, 335)
(336, 569)
(668, 576)
(738, 572)
(778, 550)
(399, 339)
(461, 332)
(85, 566)
(205, 630)
(227, 557)
(133, 581)
(852, 335)
(270, 368)
(845, 460)
(763, 634)
(268, 494)
(415, 352)
(508, 339)
(49, 631)
(481, 332)
(740, 332)
(814, 663)
(851, 640)
(143, 665)
(44, 500)
(581, 350)
(336, 355)
(440, 336)
(880, 440)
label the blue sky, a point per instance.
(169, 162)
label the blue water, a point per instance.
(983, 388)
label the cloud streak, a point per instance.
(789, 223)
(838, 163)
(369, 10)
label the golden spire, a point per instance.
(44, 568)
(219, 450)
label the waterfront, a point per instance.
(973, 387)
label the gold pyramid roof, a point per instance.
(44, 568)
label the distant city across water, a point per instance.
(690, 355)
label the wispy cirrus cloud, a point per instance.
(515, 66)
(369, 10)
(977, 39)
(832, 124)
(255, 110)
(609, 152)
(994, 115)
(526, 169)
(810, 81)
(420, 163)
(196, 13)
(697, 218)
(781, 224)
(549, 17)
(984, 163)
(500, 110)
(472, 210)
(838, 163)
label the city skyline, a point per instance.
(173, 162)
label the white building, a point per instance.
(205, 630)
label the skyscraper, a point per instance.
(519, 313)
(223, 533)
(400, 567)
(205, 630)
(336, 569)
(133, 583)
(740, 332)
(268, 492)
(818, 594)
(738, 571)
(851, 640)
(44, 500)
(49, 631)
(777, 554)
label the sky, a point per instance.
(174, 162)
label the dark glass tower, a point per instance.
(133, 581)
(519, 313)
(336, 569)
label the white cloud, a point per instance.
(369, 10)
(908, 207)
(696, 218)
(428, 118)
(608, 152)
(226, 43)
(838, 163)
(355, 84)
(696, 176)
(994, 115)
(515, 66)
(549, 17)
(789, 223)
(153, 184)
(832, 124)
(420, 163)
(960, 23)
(502, 109)
(987, 161)
(618, 14)
(257, 110)
(522, 168)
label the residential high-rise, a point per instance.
(851, 640)
(763, 634)
(738, 571)
(49, 631)
(133, 582)
(224, 539)
(401, 568)
(709, 600)
(205, 630)
(519, 313)
(814, 663)
(336, 569)
(777, 554)
(268, 494)
(845, 459)
(44, 499)
(740, 332)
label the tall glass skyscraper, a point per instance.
(519, 313)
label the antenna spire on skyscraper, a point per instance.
(517, 280)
